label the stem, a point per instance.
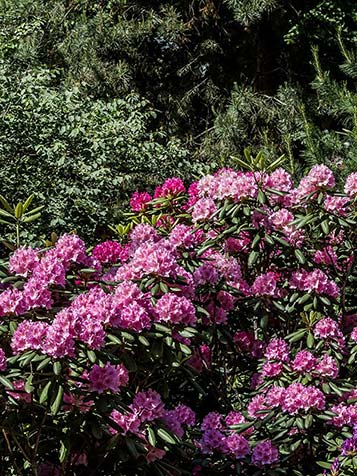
(19, 472)
(17, 234)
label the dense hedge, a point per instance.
(218, 337)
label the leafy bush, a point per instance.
(218, 337)
(80, 156)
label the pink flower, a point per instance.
(320, 177)
(148, 405)
(258, 407)
(281, 180)
(351, 185)
(170, 188)
(299, 397)
(327, 367)
(12, 302)
(175, 310)
(236, 418)
(23, 261)
(246, 342)
(139, 201)
(134, 316)
(203, 209)
(304, 361)
(154, 454)
(327, 256)
(201, 358)
(277, 349)
(74, 401)
(128, 422)
(281, 218)
(266, 285)
(176, 418)
(345, 415)
(211, 440)
(265, 453)
(29, 335)
(274, 396)
(314, 281)
(109, 252)
(236, 445)
(212, 420)
(19, 392)
(272, 369)
(327, 328)
(336, 205)
(3, 361)
(109, 377)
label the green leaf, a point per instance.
(166, 436)
(19, 210)
(143, 340)
(29, 219)
(185, 349)
(28, 202)
(57, 401)
(151, 436)
(28, 385)
(63, 452)
(44, 363)
(325, 228)
(163, 287)
(6, 205)
(310, 340)
(6, 382)
(252, 258)
(4, 222)
(299, 255)
(57, 368)
(5, 214)
(44, 392)
(92, 356)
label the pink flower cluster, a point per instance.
(320, 177)
(178, 418)
(314, 281)
(219, 437)
(44, 270)
(293, 399)
(110, 252)
(139, 201)
(170, 188)
(351, 185)
(110, 377)
(147, 406)
(176, 310)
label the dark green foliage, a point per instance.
(134, 86)
(79, 155)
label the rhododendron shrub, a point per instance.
(218, 335)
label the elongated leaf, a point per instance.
(19, 210)
(6, 382)
(166, 436)
(31, 218)
(6, 204)
(44, 393)
(57, 368)
(58, 401)
(151, 436)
